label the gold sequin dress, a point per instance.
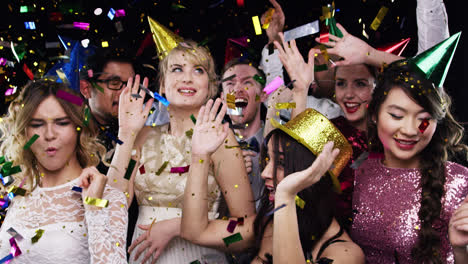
(161, 196)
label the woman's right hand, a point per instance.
(132, 116)
(209, 132)
(297, 68)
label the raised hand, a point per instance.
(132, 116)
(93, 183)
(276, 22)
(209, 132)
(349, 47)
(297, 68)
(300, 180)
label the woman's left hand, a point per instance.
(300, 180)
(458, 227)
(209, 132)
(155, 240)
(93, 183)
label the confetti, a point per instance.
(240, 221)
(273, 85)
(256, 24)
(232, 239)
(274, 210)
(35, 238)
(77, 189)
(81, 25)
(259, 79)
(231, 226)
(28, 72)
(14, 234)
(142, 169)
(302, 31)
(96, 201)
(86, 117)
(69, 97)
(268, 18)
(161, 169)
(240, 3)
(156, 96)
(111, 13)
(7, 180)
(423, 126)
(299, 202)
(189, 133)
(136, 96)
(180, 169)
(231, 101)
(192, 117)
(378, 19)
(131, 166)
(111, 136)
(31, 141)
(120, 13)
(17, 190)
(285, 105)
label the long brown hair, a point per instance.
(446, 141)
(19, 116)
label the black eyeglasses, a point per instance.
(113, 84)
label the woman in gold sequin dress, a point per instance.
(188, 80)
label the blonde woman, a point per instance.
(188, 80)
(54, 222)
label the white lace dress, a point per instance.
(160, 195)
(71, 233)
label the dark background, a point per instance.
(204, 21)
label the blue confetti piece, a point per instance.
(276, 209)
(77, 189)
(111, 13)
(118, 141)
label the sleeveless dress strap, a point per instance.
(327, 243)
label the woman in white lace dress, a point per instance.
(50, 222)
(188, 80)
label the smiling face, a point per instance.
(57, 142)
(185, 83)
(398, 127)
(247, 91)
(105, 104)
(353, 90)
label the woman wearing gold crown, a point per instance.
(411, 205)
(295, 220)
(162, 156)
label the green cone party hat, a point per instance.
(435, 62)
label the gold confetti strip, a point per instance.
(285, 105)
(299, 202)
(378, 19)
(96, 202)
(231, 101)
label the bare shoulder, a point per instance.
(344, 252)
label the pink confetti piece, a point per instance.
(273, 85)
(120, 13)
(231, 226)
(90, 73)
(81, 25)
(15, 250)
(69, 97)
(180, 169)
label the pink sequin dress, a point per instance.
(386, 202)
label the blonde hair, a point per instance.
(198, 55)
(15, 123)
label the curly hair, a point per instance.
(445, 143)
(199, 55)
(15, 123)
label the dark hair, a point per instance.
(99, 60)
(242, 61)
(318, 212)
(445, 142)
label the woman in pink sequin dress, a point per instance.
(410, 204)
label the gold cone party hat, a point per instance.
(164, 39)
(313, 130)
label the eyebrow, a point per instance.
(393, 106)
(56, 119)
(246, 78)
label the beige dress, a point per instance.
(161, 196)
